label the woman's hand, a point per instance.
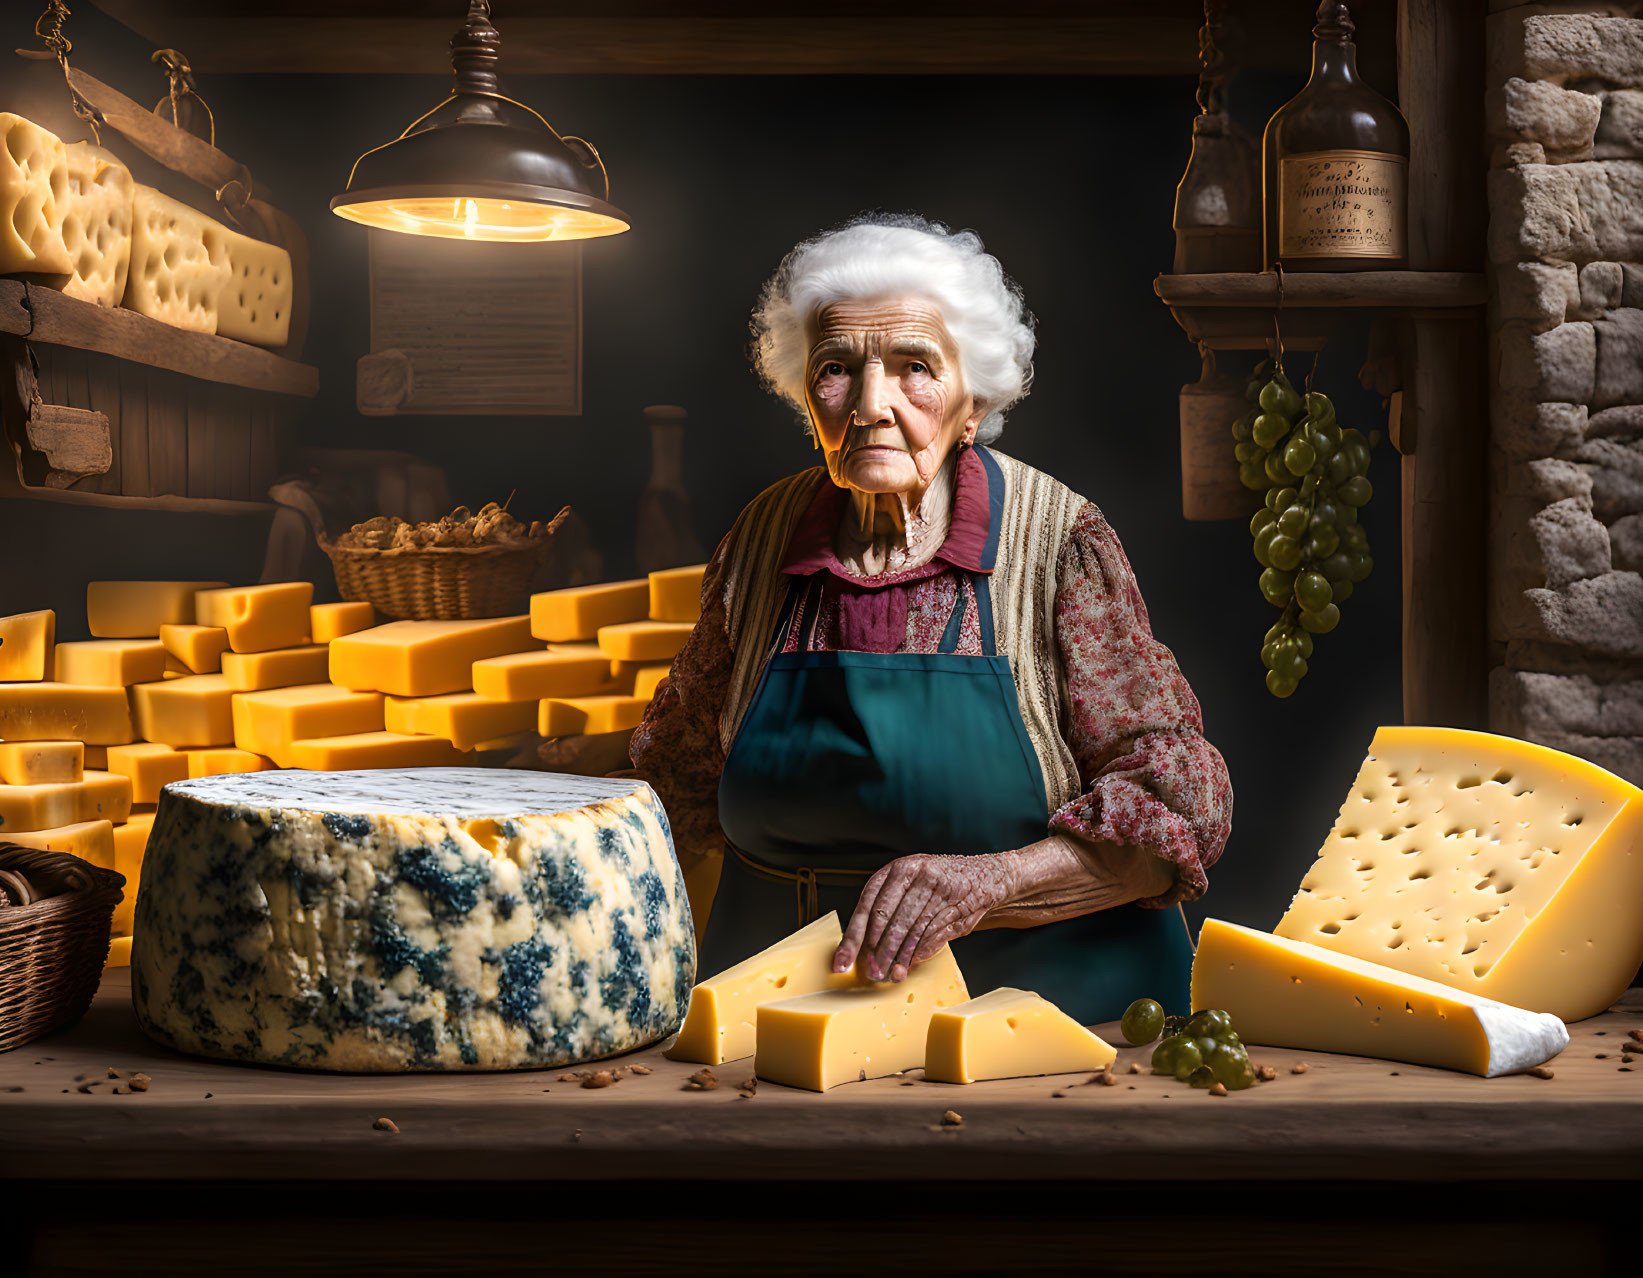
(916, 904)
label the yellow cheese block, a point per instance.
(194, 649)
(462, 718)
(89, 840)
(374, 750)
(563, 616)
(110, 663)
(149, 766)
(1505, 869)
(258, 618)
(622, 674)
(130, 843)
(119, 952)
(224, 759)
(26, 642)
(587, 716)
(423, 658)
(527, 676)
(330, 621)
(193, 711)
(137, 609)
(676, 593)
(33, 198)
(1009, 1033)
(817, 1041)
(1285, 993)
(98, 796)
(644, 640)
(64, 712)
(179, 262)
(255, 303)
(39, 762)
(97, 224)
(719, 1025)
(278, 668)
(648, 679)
(268, 722)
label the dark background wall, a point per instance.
(1069, 181)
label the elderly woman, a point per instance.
(923, 690)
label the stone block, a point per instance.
(1523, 428)
(1549, 480)
(1564, 47)
(1563, 121)
(1626, 543)
(1558, 365)
(1565, 544)
(1603, 614)
(1619, 371)
(1539, 293)
(1512, 154)
(1611, 201)
(1534, 703)
(1620, 128)
(1616, 468)
(1600, 288)
(1586, 212)
(1631, 286)
(1561, 658)
(1621, 422)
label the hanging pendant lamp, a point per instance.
(480, 166)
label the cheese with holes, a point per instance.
(577, 613)
(64, 712)
(137, 609)
(1504, 869)
(33, 198)
(523, 676)
(196, 649)
(196, 710)
(817, 1041)
(1284, 993)
(255, 303)
(89, 840)
(258, 618)
(97, 796)
(462, 718)
(649, 679)
(97, 224)
(1009, 1033)
(179, 262)
(278, 668)
(589, 716)
(423, 658)
(719, 1023)
(374, 750)
(445, 919)
(224, 759)
(34, 762)
(268, 722)
(676, 593)
(644, 640)
(333, 620)
(26, 641)
(110, 663)
(149, 766)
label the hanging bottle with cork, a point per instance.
(1335, 162)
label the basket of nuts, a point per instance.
(55, 915)
(462, 566)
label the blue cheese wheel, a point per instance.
(436, 919)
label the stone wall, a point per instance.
(1565, 122)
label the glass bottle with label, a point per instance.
(1335, 163)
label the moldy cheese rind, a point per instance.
(441, 919)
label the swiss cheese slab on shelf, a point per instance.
(1009, 1033)
(179, 263)
(36, 762)
(1285, 993)
(34, 192)
(26, 642)
(197, 649)
(720, 1022)
(255, 302)
(110, 663)
(97, 224)
(423, 658)
(578, 612)
(137, 609)
(676, 593)
(1501, 868)
(258, 618)
(64, 712)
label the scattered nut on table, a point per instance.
(386, 1125)
(139, 1082)
(703, 1080)
(1265, 1073)
(640, 1069)
(1542, 1071)
(1300, 1067)
(599, 1078)
(1219, 1089)
(1135, 1067)
(952, 1118)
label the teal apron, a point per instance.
(847, 760)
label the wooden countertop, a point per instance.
(1345, 1117)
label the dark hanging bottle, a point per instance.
(1218, 200)
(1335, 163)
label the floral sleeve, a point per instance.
(1151, 780)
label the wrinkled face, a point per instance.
(885, 393)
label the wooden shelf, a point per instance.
(45, 315)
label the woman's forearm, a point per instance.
(1061, 877)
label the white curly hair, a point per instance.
(878, 255)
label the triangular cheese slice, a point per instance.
(1009, 1033)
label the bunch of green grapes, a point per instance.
(1311, 548)
(1202, 1049)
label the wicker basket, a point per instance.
(52, 952)
(437, 583)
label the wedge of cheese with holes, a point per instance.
(33, 198)
(64, 712)
(98, 796)
(255, 303)
(577, 613)
(89, 840)
(719, 1024)
(35, 762)
(223, 760)
(179, 262)
(644, 641)
(521, 676)
(196, 649)
(258, 618)
(137, 609)
(462, 718)
(97, 225)
(1284, 993)
(589, 716)
(194, 711)
(268, 722)
(676, 593)
(333, 620)
(150, 766)
(110, 663)
(1009, 1033)
(277, 668)
(374, 750)
(26, 642)
(817, 1041)
(1503, 869)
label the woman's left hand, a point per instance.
(916, 904)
